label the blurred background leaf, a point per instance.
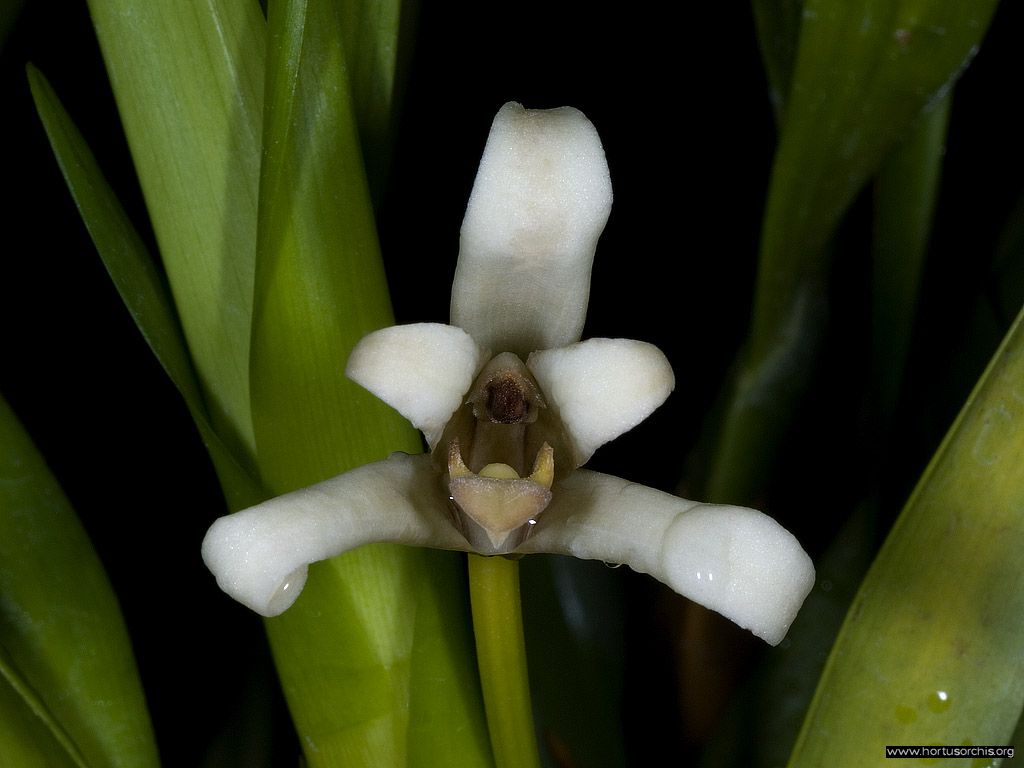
(65, 654)
(863, 73)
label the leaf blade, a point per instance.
(375, 625)
(864, 72)
(188, 83)
(910, 665)
(132, 270)
(59, 620)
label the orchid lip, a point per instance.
(496, 509)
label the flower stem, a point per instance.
(501, 655)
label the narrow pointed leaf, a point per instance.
(133, 272)
(374, 657)
(864, 72)
(60, 626)
(930, 650)
(188, 82)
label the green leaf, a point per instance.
(928, 649)
(905, 192)
(188, 79)
(27, 733)
(32, 735)
(375, 657)
(133, 272)
(865, 71)
(66, 653)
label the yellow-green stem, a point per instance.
(501, 655)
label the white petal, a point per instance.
(420, 370)
(539, 203)
(601, 388)
(733, 560)
(260, 555)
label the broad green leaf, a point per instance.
(865, 71)
(133, 272)
(27, 733)
(65, 650)
(375, 658)
(905, 192)
(188, 79)
(931, 652)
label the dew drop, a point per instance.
(939, 702)
(613, 566)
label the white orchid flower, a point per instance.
(511, 404)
